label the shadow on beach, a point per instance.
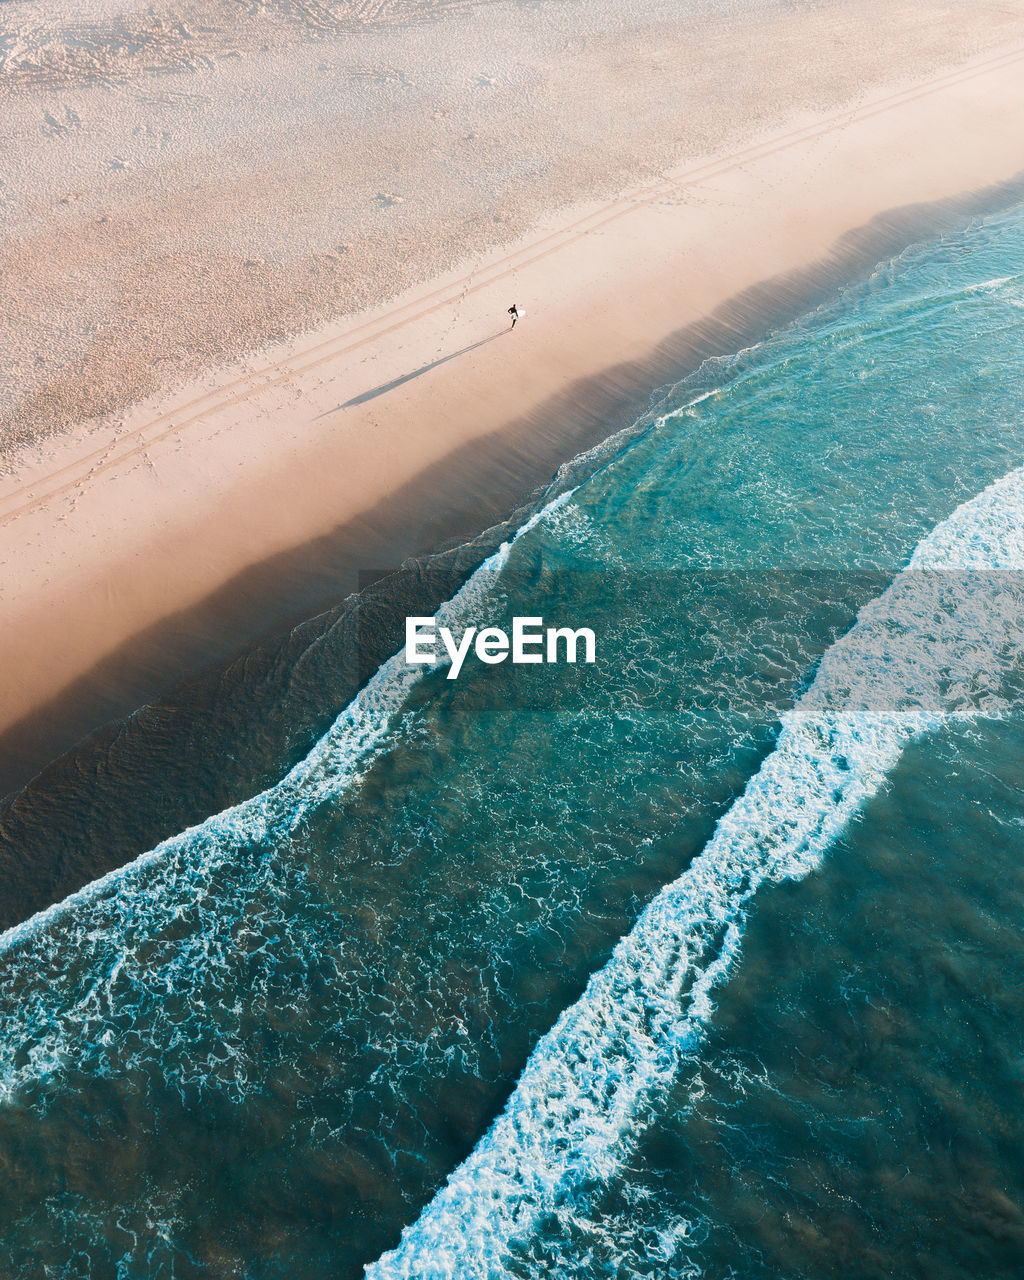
(408, 377)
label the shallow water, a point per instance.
(262, 1049)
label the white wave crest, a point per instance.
(182, 870)
(939, 643)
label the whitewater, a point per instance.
(939, 644)
(333, 764)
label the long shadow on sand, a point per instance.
(385, 387)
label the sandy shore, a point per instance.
(371, 437)
(183, 181)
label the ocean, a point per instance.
(699, 961)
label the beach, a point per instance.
(701, 958)
(698, 958)
(252, 485)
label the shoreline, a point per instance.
(234, 729)
(104, 611)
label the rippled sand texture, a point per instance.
(182, 182)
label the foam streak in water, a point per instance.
(108, 922)
(939, 643)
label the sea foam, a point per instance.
(106, 924)
(940, 643)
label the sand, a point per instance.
(225, 176)
(185, 182)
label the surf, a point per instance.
(157, 886)
(938, 644)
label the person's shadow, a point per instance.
(385, 387)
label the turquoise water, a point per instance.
(560, 969)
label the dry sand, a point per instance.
(183, 182)
(228, 174)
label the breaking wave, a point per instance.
(50, 1018)
(943, 642)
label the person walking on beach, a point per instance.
(514, 313)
